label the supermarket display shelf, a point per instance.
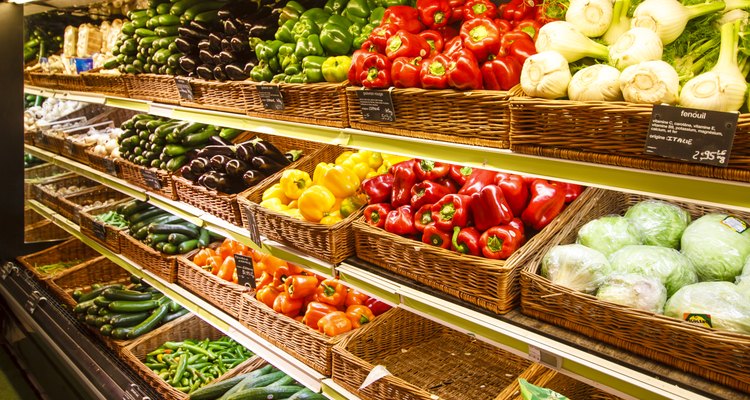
(707, 191)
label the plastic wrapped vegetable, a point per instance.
(89, 40)
(719, 304)
(534, 392)
(659, 223)
(669, 265)
(633, 290)
(70, 41)
(608, 234)
(718, 246)
(576, 266)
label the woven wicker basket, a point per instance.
(113, 85)
(134, 174)
(70, 82)
(187, 327)
(565, 385)
(43, 231)
(223, 205)
(48, 141)
(104, 164)
(612, 133)
(98, 270)
(316, 104)
(49, 199)
(44, 79)
(490, 284)
(425, 359)
(218, 96)
(330, 243)
(479, 118)
(72, 205)
(152, 87)
(223, 294)
(68, 251)
(162, 265)
(39, 174)
(74, 151)
(720, 356)
(107, 235)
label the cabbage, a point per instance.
(669, 265)
(633, 290)
(743, 280)
(575, 266)
(608, 234)
(729, 310)
(716, 249)
(658, 222)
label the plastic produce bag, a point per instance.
(659, 223)
(89, 40)
(633, 290)
(608, 234)
(576, 267)
(716, 304)
(718, 246)
(669, 265)
(533, 392)
(70, 41)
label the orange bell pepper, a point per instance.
(201, 258)
(267, 295)
(287, 305)
(271, 263)
(332, 292)
(215, 263)
(359, 315)
(354, 297)
(335, 323)
(264, 280)
(300, 286)
(315, 311)
(227, 269)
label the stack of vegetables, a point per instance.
(225, 50)
(331, 194)
(325, 305)
(41, 42)
(264, 383)
(191, 364)
(661, 52)
(125, 312)
(113, 218)
(655, 259)
(231, 169)
(220, 261)
(163, 231)
(469, 210)
(448, 44)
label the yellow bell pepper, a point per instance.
(394, 159)
(275, 191)
(294, 213)
(274, 204)
(351, 204)
(358, 164)
(375, 160)
(293, 182)
(372, 173)
(331, 218)
(292, 204)
(320, 171)
(337, 204)
(342, 157)
(315, 202)
(340, 181)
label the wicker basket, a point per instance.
(47, 141)
(187, 327)
(612, 133)
(218, 96)
(49, 199)
(43, 231)
(490, 284)
(565, 385)
(425, 359)
(71, 205)
(223, 294)
(152, 87)
(107, 165)
(44, 79)
(162, 265)
(38, 174)
(68, 251)
(98, 270)
(113, 85)
(70, 82)
(223, 205)
(316, 104)
(720, 356)
(313, 348)
(479, 117)
(107, 235)
(330, 243)
(135, 174)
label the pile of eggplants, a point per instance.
(231, 169)
(222, 50)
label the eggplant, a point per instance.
(267, 165)
(226, 57)
(264, 32)
(265, 148)
(219, 73)
(198, 166)
(201, 27)
(206, 57)
(226, 45)
(187, 63)
(239, 45)
(249, 66)
(235, 168)
(190, 33)
(234, 72)
(186, 45)
(217, 162)
(204, 72)
(214, 42)
(218, 141)
(246, 151)
(191, 154)
(210, 151)
(214, 180)
(204, 45)
(187, 174)
(293, 155)
(253, 177)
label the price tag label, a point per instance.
(151, 178)
(692, 135)
(252, 227)
(184, 88)
(245, 270)
(270, 96)
(376, 105)
(110, 166)
(100, 231)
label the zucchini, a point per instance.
(168, 20)
(128, 28)
(216, 390)
(103, 311)
(145, 215)
(137, 14)
(284, 381)
(93, 310)
(264, 380)
(102, 301)
(175, 163)
(151, 126)
(199, 138)
(164, 8)
(160, 246)
(169, 248)
(193, 11)
(149, 323)
(121, 333)
(181, 6)
(127, 295)
(106, 329)
(160, 57)
(132, 207)
(122, 306)
(128, 319)
(266, 393)
(140, 22)
(176, 238)
(207, 17)
(154, 238)
(165, 31)
(204, 238)
(191, 128)
(229, 133)
(307, 394)
(187, 246)
(190, 231)
(177, 314)
(143, 32)
(94, 293)
(174, 150)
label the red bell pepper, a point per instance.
(448, 32)
(355, 70)
(501, 73)
(478, 179)
(515, 190)
(405, 17)
(315, 311)
(452, 210)
(571, 190)
(431, 170)
(376, 71)
(376, 306)
(404, 178)
(434, 39)
(405, 72)
(380, 35)
(489, 208)
(502, 25)
(378, 188)
(423, 217)
(522, 49)
(530, 27)
(518, 10)
(466, 240)
(460, 173)
(457, 7)
(405, 44)
(401, 221)
(427, 192)
(548, 11)
(463, 71)
(355, 297)
(517, 224)
(481, 36)
(479, 9)
(547, 200)
(434, 236)
(434, 13)
(453, 46)
(375, 214)
(499, 242)
(449, 183)
(434, 72)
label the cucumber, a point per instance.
(160, 57)
(110, 64)
(307, 394)
(266, 393)
(94, 293)
(191, 128)
(177, 314)
(140, 22)
(190, 231)
(165, 31)
(154, 238)
(199, 8)
(169, 248)
(151, 126)
(145, 215)
(284, 381)
(204, 238)
(122, 306)
(137, 14)
(216, 390)
(187, 246)
(181, 6)
(149, 323)
(175, 163)
(164, 8)
(174, 150)
(264, 380)
(127, 295)
(128, 319)
(177, 238)
(199, 138)
(131, 207)
(168, 20)
(161, 218)
(143, 32)
(229, 133)
(128, 28)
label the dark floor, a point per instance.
(12, 383)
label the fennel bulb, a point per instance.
(650, 82)
(591, 17)
(564, 38)
(668, 17)
(635, 46)
(597, 82)
(545, 74)
(620, 21)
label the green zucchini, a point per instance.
(137, 14)
(216, 390)
(177, 238)
(103, 311)
(181, 6)
(307, 394)
(199, 8)
(149, 323)
(132, 306)
(166, 31)
(204, 238)
(121, 333)
(266, 393)
(160, 56)
(175, 163)
(191, 128)
(128, 28)
(127, 295)
(106, 329)
(124, 320)
(145, 214)
(207, 17)
(199, 138)
(169, 248)
(140, 22)
(154, 238)
(229, 133)
(187, 246)
(94, 293)
(190, 231)
(160, 246)
(131, 207)
(164, 8)
(177, 314)
(174, 150)
(143, 32)
(102, 301)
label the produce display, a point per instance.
(58, 190)
(102, 141)
(191, 364)
(220, 261)
(52, 269)
(468, 210)
(31, 161)
(112, 218)
(50, 110)
(40, 43)
(125, 312)
(263, 383)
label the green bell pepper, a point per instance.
(355, 19)
(316, 15)
(261, 73)
(274, 64)
(336, 39)
(309, 46)
(293, 69)
(312, 67)
(268, 49)
(363, 36)
(355, 30)
(338, 20)
(298, 78)
(358, 8)
(291, 12)
(335, 69)
(279, 78)
(304, 28)
(286, 52)
(284, 33)
(334, 6)
(376, 15)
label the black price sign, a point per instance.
(100, 231)
(252, 227)
(110, 166)
(271, 97)
(376, 105)
(692, 135)
(184, 88)
(151, 178)
(245, 270)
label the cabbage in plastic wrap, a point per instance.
(608, 234)
(669, 265)
(576, 266)
(726, 307)
(659, 223)
(716, 248)
(633, 290)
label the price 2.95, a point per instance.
(719, 155)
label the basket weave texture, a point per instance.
(217, 96)
(152, 87)
(38, 172)
(109, 84)
(70, 82)
(162, 265)
(49, 199)
(98, 270)
(44, 231)
(70, 250)
(44, 79)
(223, 294)
(134, 174)
(72, 205)
(107, 235)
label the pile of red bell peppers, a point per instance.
(469, 210)
(460, 44)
